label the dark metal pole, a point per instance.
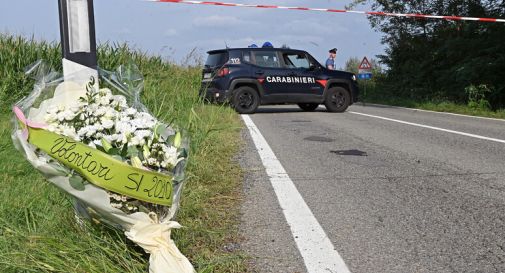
(78, 41)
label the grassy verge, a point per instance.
(373, 96)
(38, 232)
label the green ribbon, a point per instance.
(103, 170)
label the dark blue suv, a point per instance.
(249, 77)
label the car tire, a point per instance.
(337, 99)
(308, 107)
(245, 100)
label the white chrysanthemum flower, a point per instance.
(143, 133)
(118, 138)
(60, 116)
(87, 131)
(110, 113)
(144, 121)
(69, 115)
(52, 127)
(136, 141)
(118, 100)
(124, 127)
(100, 111)
(69, 132)
(107, 123)
(50, 118)
(103, 100)
(92, 108)
(153, 162)
(109, 138)
(170, 156)
(106, 92)
(131, 111)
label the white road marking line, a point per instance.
(319, 254)
(436, 112)
(431, 127)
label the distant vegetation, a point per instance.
(461, 62)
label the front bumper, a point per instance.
(215, 95)
(355, 92)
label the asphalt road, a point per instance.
(391, 196)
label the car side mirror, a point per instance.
(313, 67)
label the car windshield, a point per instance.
(216, 59)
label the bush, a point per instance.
(477, 96)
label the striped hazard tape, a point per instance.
(375, 13)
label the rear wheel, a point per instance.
(309, 107)
(245, 100)
(337, 99)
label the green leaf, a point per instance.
(145, 151)
(114, 151)
(77, 182)
(117, 157)
(106, 145)
(170, 140)
(177, 140)
(132, 151)
(124, 151)
(136, 162)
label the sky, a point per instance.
(174, 30)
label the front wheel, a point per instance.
(309, 107)
(337, 99)
(245, 100)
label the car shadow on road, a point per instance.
(294, 109)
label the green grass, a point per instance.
(38, 232)
(374, 96)
(444, 106)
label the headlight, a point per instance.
(354, 77)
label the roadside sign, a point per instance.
(365, 76)
(365, 64)
(365, 70)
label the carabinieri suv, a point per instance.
(249, 77)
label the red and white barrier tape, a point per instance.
(376, 13)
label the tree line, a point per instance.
(436, 60)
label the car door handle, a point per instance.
(260, 72)
(292, 74)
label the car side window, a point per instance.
(235, 57)
(266, 59)
(296, 60)
(246, 56)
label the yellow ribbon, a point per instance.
(103, 170)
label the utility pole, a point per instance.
(78, 41)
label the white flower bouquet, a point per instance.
(100, 145)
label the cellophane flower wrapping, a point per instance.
(106, 114)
